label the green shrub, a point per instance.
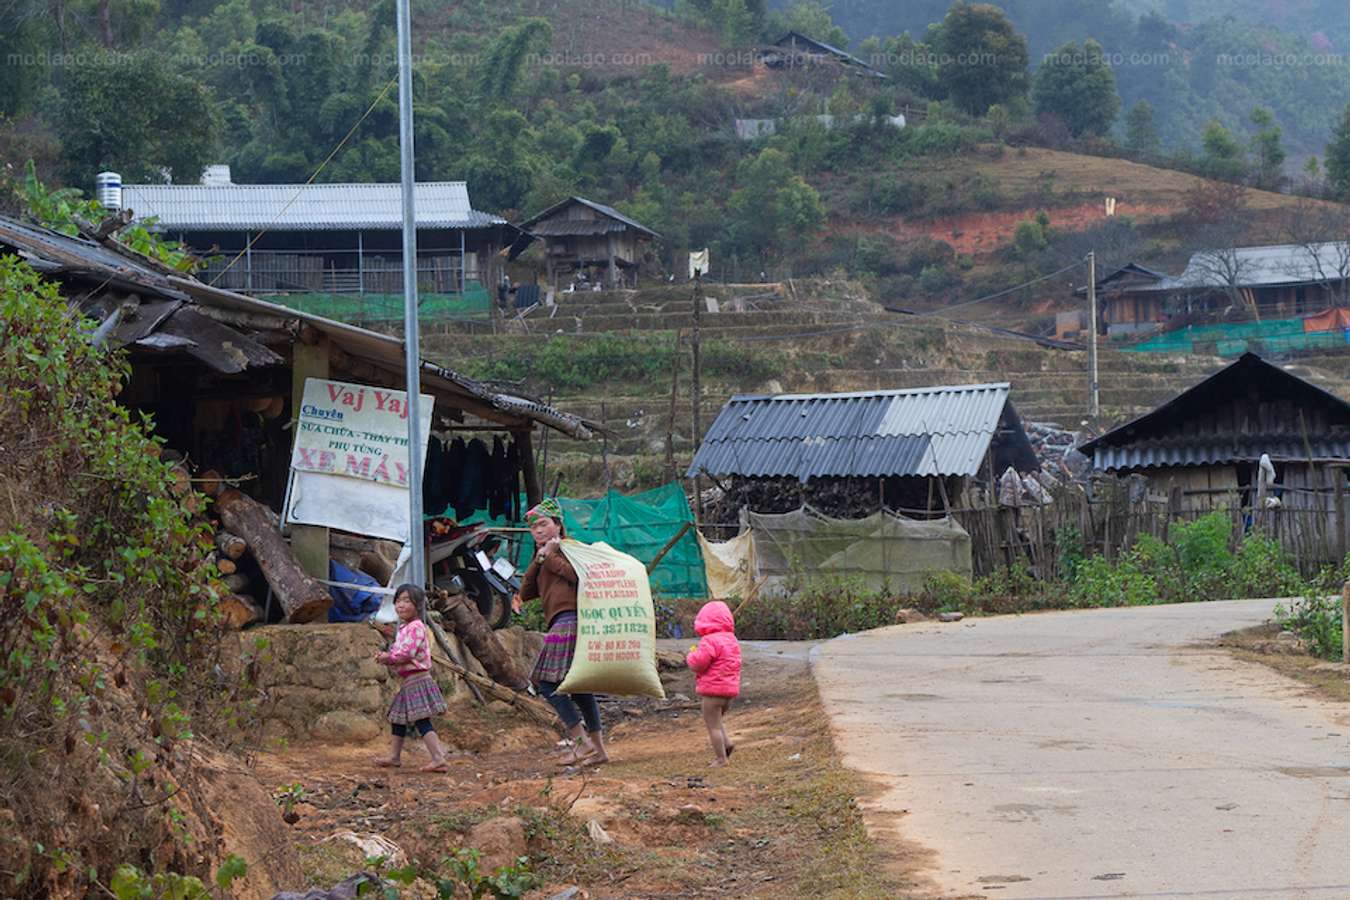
(1263, 568)
(821, 606)
(1099, 583)
(1316, 618)
(948, 592)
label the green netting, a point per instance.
(639, 525)
(1236, 338)
(474, 303)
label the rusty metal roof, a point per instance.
(178, 314)
(944, 430)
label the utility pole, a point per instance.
(696, 390)
(412, 350)
(1094, 390)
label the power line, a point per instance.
(296, 196)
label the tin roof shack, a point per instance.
(1126, 304)
(587, 238)
(1230, 284)
(797, 50)
(1202, 451)
(849, 455)
(333, 249)
(223, 374)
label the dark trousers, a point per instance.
(567, 706)
(423, 727)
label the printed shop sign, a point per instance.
(350, 460)
(356, 430)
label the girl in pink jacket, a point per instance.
(716, 660)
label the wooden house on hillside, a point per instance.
(1126, 305)
(1235, 284)
(587, 239)
(797, 50)
(1202, 450)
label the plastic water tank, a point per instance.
(108, 189)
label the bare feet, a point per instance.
(385, 762)
(436, 766)
(717, 763)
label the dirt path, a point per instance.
(780, 821)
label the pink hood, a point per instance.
(714, 617)
(717, 658)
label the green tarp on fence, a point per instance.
(474, 303)
(1236, 338)
(639, 525)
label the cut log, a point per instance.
(236, 582)
(239, 611)
(226, 566)
(231, 546)
(182, 481)
(377, 567)
(463, 618)
(302, 598)
(209, 482)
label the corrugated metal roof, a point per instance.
(178, 326)
(601, 208)
(1192, 429)
(564, 227)
(922, 431)
(1150, 454)
(1269, 265)
(314, 207)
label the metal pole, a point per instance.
(1094, 394)
(411, 347)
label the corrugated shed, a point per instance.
(607, 211)
(1265, 266)
(1154, 454)
(174, 317)
(1249, 408)
(298, 207)
(571, 227)
(918, 432)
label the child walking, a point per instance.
(418, 698)
(716, 660)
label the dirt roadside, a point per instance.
(782, 820)
(1266, 645)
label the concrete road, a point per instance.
(1095, 754)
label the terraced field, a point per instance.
(791, 337)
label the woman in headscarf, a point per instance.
(551, 578)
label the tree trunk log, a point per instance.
(377, 567)
(209, 482)
(464, 620)
(301, 597)
(236, 582)
(231, 546)
(226, 566)
(240, 611)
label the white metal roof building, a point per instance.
(300, 207)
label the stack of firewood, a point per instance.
(246, 527)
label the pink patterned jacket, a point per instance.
(411, 653)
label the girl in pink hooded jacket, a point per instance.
(716, 660)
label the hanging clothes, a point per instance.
(472, 495)
(434, 496)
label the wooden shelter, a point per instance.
(1202, 450)
(223, 374)
(589, 239)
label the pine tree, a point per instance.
(1141, 135)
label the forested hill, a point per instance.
(1192, 60)
(636, 105)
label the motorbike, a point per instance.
(473, 554)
